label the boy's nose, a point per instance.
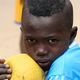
(41, 51)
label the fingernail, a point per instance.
(9, 70)
(7, 66)
(8, 76)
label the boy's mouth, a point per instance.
(43, 62)
(44, 65)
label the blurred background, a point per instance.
(10, 32)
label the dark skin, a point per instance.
(5, 71)
(44, 39)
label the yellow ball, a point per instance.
(24, 68)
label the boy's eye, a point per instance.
(52, 41)
(31, 41)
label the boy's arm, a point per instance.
(58, 77)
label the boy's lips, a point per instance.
(43, 62)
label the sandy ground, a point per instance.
(10, 32)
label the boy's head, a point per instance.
(47, 29)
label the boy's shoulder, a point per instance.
(67, 64)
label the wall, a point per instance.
(76, 8)
(10, 32)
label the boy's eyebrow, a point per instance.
(51, 36)
(45, 36)
(28, 35)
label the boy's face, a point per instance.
(45, 38)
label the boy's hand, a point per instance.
(5, 71)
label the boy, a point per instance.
(48, 37)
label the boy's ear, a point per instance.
(73, 33)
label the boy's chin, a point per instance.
(45, 66)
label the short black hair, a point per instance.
(44, 7)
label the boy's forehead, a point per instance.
(61, 20)
(57, 21)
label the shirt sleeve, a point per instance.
(60, 77)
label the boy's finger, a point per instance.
(4, 66)
(2, 77)
(4, 71)
(2, 60)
